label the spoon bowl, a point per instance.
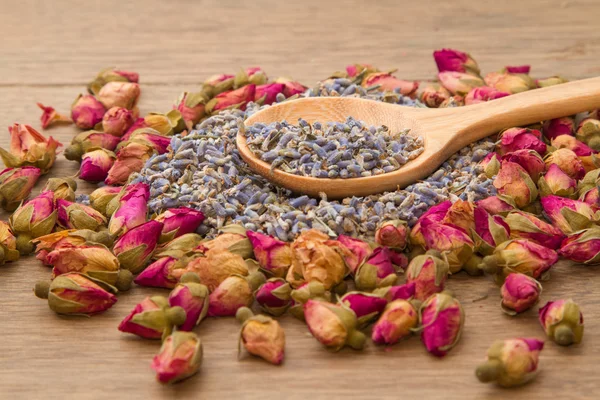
(444, 131)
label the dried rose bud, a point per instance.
(590, 162)
(562, 321)
(111, 75)
(400, 292)
(70, 238)
(234, 292)
(179, 221)
(567, 161)
(591, 197)
(33, 219)
(513, 181)
(50, 117)
(387, 82)
(358, 252)
(434, 214)
(28, 147)
(530, 160)
(517, 69)
(75, 293)
(180, 247)
(213, 269)
(460, 214)
(131, 212)
(87, 111)
(483, 94)
(511, 362)
(527, 226)
(514, 139)
(16, 185)
(77, 216)
(135, 247)
(87, 141)
(232, 99)
(192, 296)
(556, 182)
(454, 60)
(267, 93)
(556, 127)
(100, 197)
(453, 101)
(583, 246)
(377, 271)
(179, 357)
(261, 336)
(569, 142)
(191, 106)
(454, 243)
(130, 159)
(357, 69)
(366, 306)
(428, 273)
(153, 318)
(117, 121)
(273, 255)
(148, 137)
(313, 290)
(459, 83)
(550, 81)
(519, 255)
(588, 131)
(63, 188)
(290, 87)
(442, 318)
(159, 274)
(568, 215)
(489, 232)
(119, 94)
(497, 205)
(232, 238)
(509, 83)
(393, 234)
(8, 244)
(590, 180)
(166, 124)
(218, 83)
(96, 164)
(433, 94)
(397, 321)
(519, 293)
(252, 75)
(274, 296)
(333, 325)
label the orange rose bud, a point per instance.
(213, 269)
(50, 117)
(273, 255)
(393, 234)
(262, 336)
(28, 147)
(153, 318)
(459, 83)
(333, 325)
(509, 83)
(119, 94)
(567, 161)
(179, 357)
(117, 121)
(433, 95)
(234, 292)
(130, 159)
(87, 111)
(513, 181)
(8, 244)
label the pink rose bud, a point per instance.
(111, 75)
(213, 269)
(238, 98)
(514, 139)
(333, 325)
(191, 106)
(366, 306)
(273, 255)
(582, 247)
(434, 214)
(567, 161)
(433, 95)
(530, 160)
(57, 240)
(153, 318)
(88, 141)
(192, 296)
(497, 205)
(100, 197)
(291, 88)
(490, 231)
(550, 81)
(358, 252)
(267, 93)
(261, 336)
(96, 164)
(509, 83)
(135, 247)
(591, 197)
(150, 138)
(483, 94)
(254, 75)
(132, 209)
(459, 83)
(8, 244)
(218, 79)
(179, 357)
(356, 69)
(139, 123)
(377, 271)
(454, 60)
(130, 159)
(234, 292)
(519, 293)
(569, 142)
(568, 215)
(77, 216)
(119, 94)
(453, 242)
(527, 226)
(28, 147)
(75, 293)
(50, 117)
(393, 234)
(460, 215)
(562, 321)
(511, 362)
(400, 260)
(514, 181)
(16, 185)
(442, 318)
(428, 273)
(158, 274)
(179, 221)
(400, 292)
(588, 132)
(87, 111)
(517, 69)
(554, 128)
(232, 238)
(117, 121)
(387, 82)
(398, 321)
(556, 182)
(274, 296)
(519, 255)
(33, 219)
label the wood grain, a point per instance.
(50, 49)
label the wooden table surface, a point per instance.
(49, 50)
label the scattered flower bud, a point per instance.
(87, 111)
(519, 255)
(290, 87)
(514, 181)
(509, 83)
(483, 94)
(180, 247)
(117, 121)
(569, 142)
(527, 226)
(400, 292)
(397, 322)
(454, 60)
(497, 205)
(313, 290)
(179, 357)
(192, 296)
(33, 219)
(8, 244)
(433, 95)
(511, 362)
(442, 318)
(393, 234)
(213, 269)
(357, 69)
(428, 273)
(153, 318)
(166, 124)
(556, 127)
(387, 82)
(77, 216)
(434, 214)
(267, 93)
(234, 292)
(135, 247)
(274, 296)
(366, 306)
(519, 293)
(261, 336)
(562, 321)
(159, 274)
(453, 242)
(119, 94)
(377, 271)
(50, 117)
(459, 83)
(514, 139)
(556, 182)
(111, 75)
(131, 158)
(333, 325)
(567, 161)
(148, 137)
(131, 211)
(232, 238)
(100, 197)
(273, 255)
(460, 214)
(96, 164)
(568, 215)
(90, 140)
(63, 188)
(489, 232)
(75, 293)
(583, 246)
(179, 221)
(551, 81)
(191, 106)
(16, 185)
(68, 238)
(30, 148)
(238, 98)
(530, 160)
(358, 252)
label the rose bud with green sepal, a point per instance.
(234, 292)
(179, 221)
(455, 60)
(191, 106)
(213, 269)
(530, 160)
(519, 293)
(130, 159)
(8, 244)
(358, 252)
(460, 214)
(95, 165)
(435, 214)
(569, 142)
(386, 82)
(429, 274)
(398, 320)
(117, 121)
(78, 216)
(556, 182)
(290, 87)
(153, 318)
(28, 147)
(313, 290)
(119, 94)
(459, 83)
(274, 296)
(100, 198)
(553, 128)
(568, 215)
(490, 165)
(33, 219)
(582, 247)
(111, 75)
(366, 306)
(562, 321)
(514, 139)
(180, 357)
(514, 182)
(433, 94)
(234, 99)
(63, 188)
(588, 131)
(16, 185)
(527, 226)
(135, 247)
(442, 319)
(158, 274)
(550, 81)
(454, 243)
(567, 161)
(50, 117)
(483, 94)
(377, 271)
(45, 244)
(333, 325)
(509, 83)
(86, 141)
(489, 232)
(497, 205)
(165, 124)
(393, 234)
(192, 296)
(261, 336)
(233, 238)
(87, 111)
(131, 211)
(274, 256)
(399, 292)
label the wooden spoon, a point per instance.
(445, 131)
